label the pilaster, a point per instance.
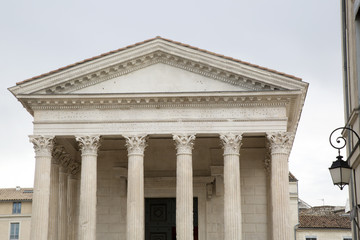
(232, 193)
(184, 186)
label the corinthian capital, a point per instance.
(184, 143)
(231, 143)
(136, 144)
(43, 145)
(280, 142)
(88, 144)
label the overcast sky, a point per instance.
(301, 38)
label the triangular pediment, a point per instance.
(161, 78)
(154, 66)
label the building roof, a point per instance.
(16, 194)
(149, 40)
(324, 217)
(292, 178)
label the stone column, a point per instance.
(71, 210)
(232, 194)
(87, 217)
(184, 186)
(43, 146)
(280, 145)
(135, 225)
(54, 194)
(62, 227)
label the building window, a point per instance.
(347, 238)
(14, 231)
(311, 238)
(16, 208)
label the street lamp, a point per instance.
(340, 170)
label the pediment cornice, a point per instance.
(188, 100)
(244, 81)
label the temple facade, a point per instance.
(160, 141)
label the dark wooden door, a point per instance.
(160, 219)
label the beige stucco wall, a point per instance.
(6, 218)
(330, 234)
(294, 206)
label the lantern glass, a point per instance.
(340, 172)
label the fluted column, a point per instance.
(71, 209)
(280, 145)
(62, 227)
(87, 217)
(184, 186)
(54, 194)
(232, 195)
(135, 225)
(43, 146)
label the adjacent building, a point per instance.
(162, 140)
(15, 213)
(351, 80)
(323, 223)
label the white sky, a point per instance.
(301, 38)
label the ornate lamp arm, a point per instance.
(341, 141)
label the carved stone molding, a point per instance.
(132, 65)
(136, 144)
(157, 101)
(280, 142)
(89, 145)
(57, 153)
(74, 167)
(267, 160)
(65, 159)
(184, 143)
(231, 143)
(43, 145)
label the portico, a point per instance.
(162, 120)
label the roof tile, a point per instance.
(11, 194)
(148, 40)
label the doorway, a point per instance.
(160, 218)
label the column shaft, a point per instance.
(280, 197)
(135, 225)
(71, 206)
(280, 144)
(88, 187)
(54, 204)
(184, 187)
(62, 216)
(41, 197)
(232, 192)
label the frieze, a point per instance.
(158, 115)
(131, 128)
